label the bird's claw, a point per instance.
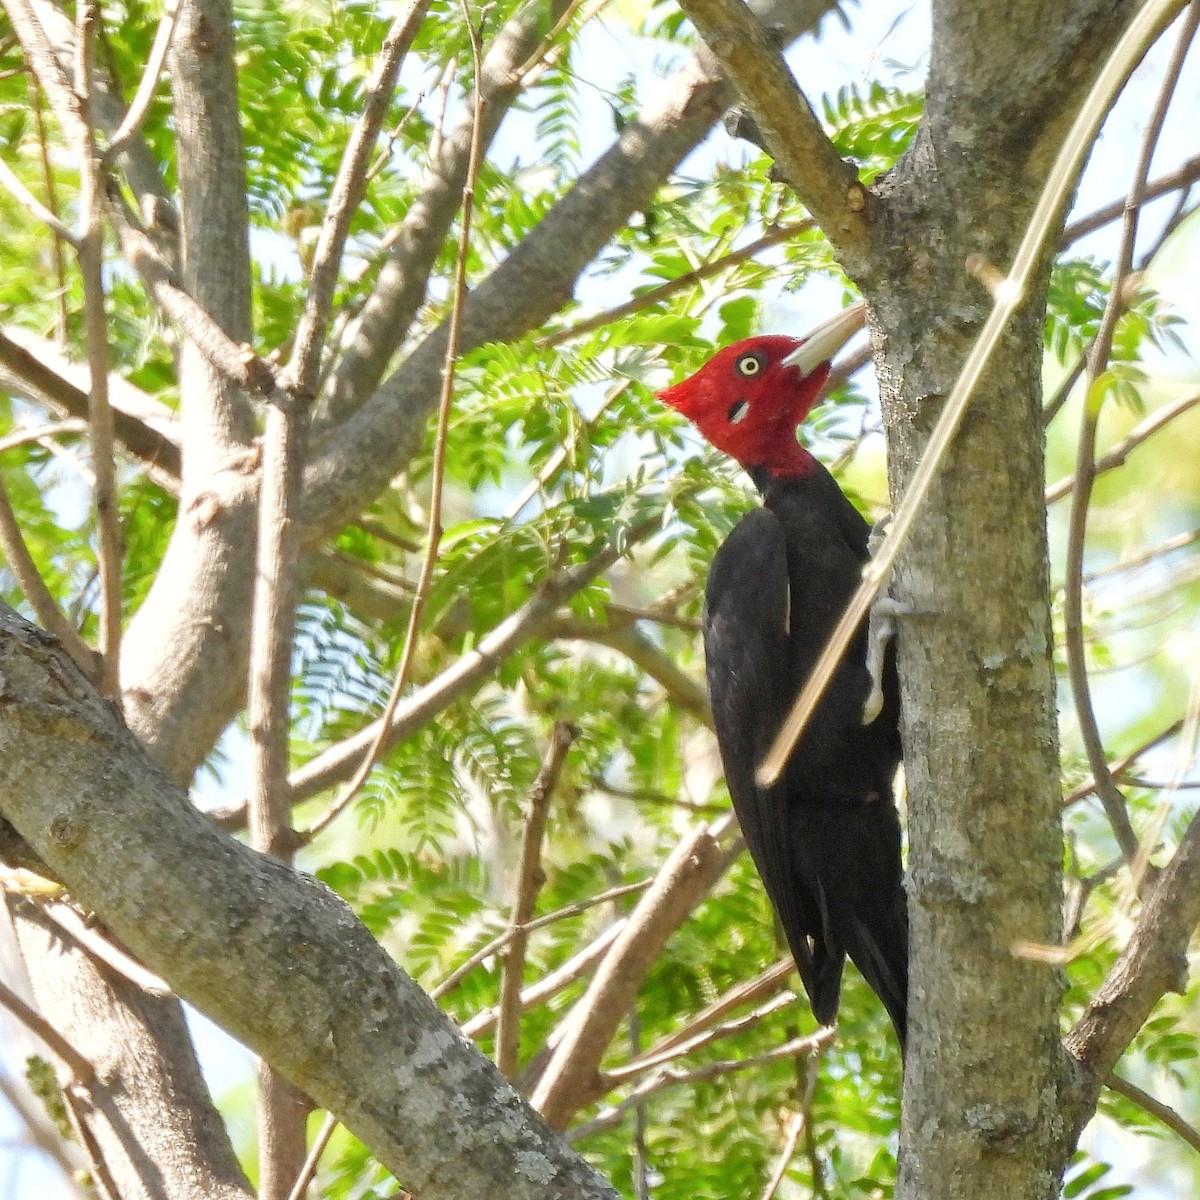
(881, 628)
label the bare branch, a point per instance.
(724, 262)
(144, 96)
(1156, 1108)
(1088, 786)
(1182, 176)
(144, 427)
(683, 881)
(82, 1071)
(282, 1109)
(462, 677)
(578, 965)
(685, 692)
(527, 884)
(1115, 457)
(670, 1077)
(349, 187)
(642, 1063)
(1153, 962)
(55, 84)
(1085, 465)
(791, 1138)
(100, 418)
(803, 152)
(767, 983)
(25, 197)
(37, 594)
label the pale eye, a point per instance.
(749, 365)
(737, 411)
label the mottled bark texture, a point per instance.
(269, 953)
(992, 1103)
(985, 1079)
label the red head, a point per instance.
(749, 398)
(748, 404)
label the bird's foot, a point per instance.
(881, 628)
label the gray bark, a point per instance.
(985, 1085)
(993, 1106)
(148, 1108)
(185, 664)
(270, 954)
(150, 1115)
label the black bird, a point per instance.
(826, 836)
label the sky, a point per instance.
(891, 46)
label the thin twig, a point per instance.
(671, 1077)
(501, 940)
(314, 1157)
(43, 1136)
(1183, 176)
(1007, 299)
(349, 187)
(22, 437)
(1085, 465)
(530, 877)
(100, 417)
(144, 96)
(1116, 455)
(764, 984)
(578, 965)
(37, 595)
(24, 196)
(626, 1071)
(773, 236)
(56, 246)
(1088, 786)
(1135, 562)
(438, 470)
(1156, 1108)
(560, 455)
(791, 1138)
(82, 1071)
(98, 945)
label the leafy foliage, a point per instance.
(558, 449)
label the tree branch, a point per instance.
(528, 882)
(1156, 1108)
(570, 1076)
(37, 369)
(803, 152)
(684, 691)
(1116, 455)
(1085, 467)
(100, 418)
(349, 187)
(533, 282)
(73, 781)
(37, 594)
(1153, 962)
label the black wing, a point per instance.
(746, 641)
(826, 836)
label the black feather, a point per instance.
(825, 837)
